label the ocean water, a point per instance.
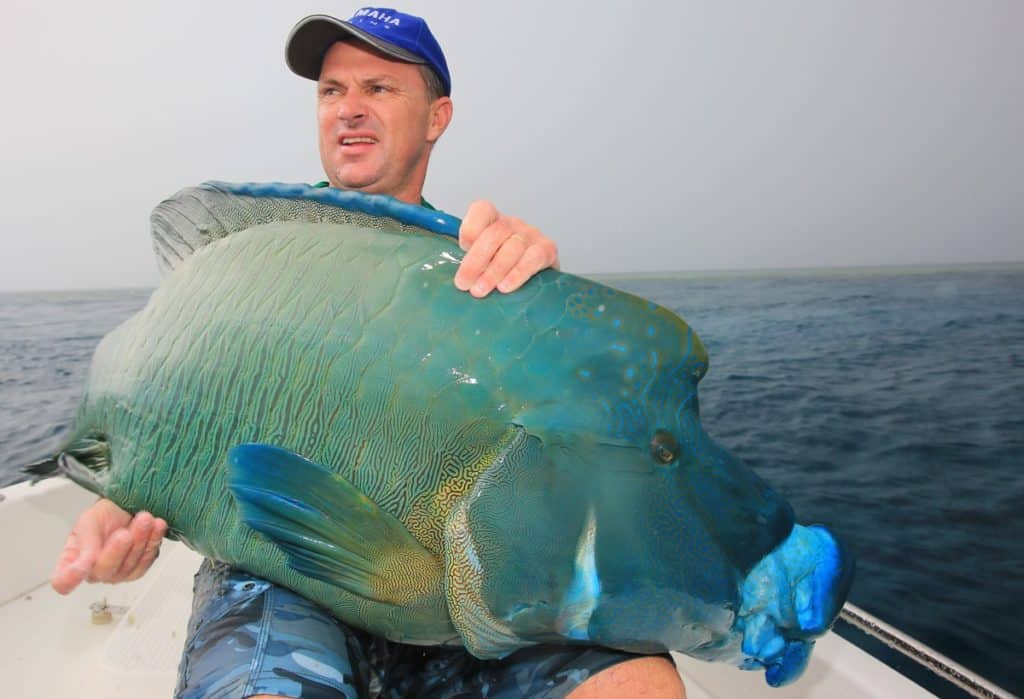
(886, 403)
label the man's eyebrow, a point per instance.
(368, 80)
(378, 78)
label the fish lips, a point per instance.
(792, 596)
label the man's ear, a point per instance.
(440, 117)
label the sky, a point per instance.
(658, 136)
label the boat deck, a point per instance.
(51, 646)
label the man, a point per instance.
(383, 96)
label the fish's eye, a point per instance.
(664, 447)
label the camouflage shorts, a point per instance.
(248, 636)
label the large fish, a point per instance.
(307, 396)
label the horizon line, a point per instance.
(918, 267)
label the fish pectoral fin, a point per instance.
(329, 529)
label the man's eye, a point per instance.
(379, 89)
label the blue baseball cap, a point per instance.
(406, 37)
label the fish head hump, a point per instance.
(625, 524)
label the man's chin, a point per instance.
(353, 180)
(354, 186)
(371, 183)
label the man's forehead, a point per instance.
(351, 53)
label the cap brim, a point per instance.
(312, 36)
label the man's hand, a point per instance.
(108, 545)
(501, 251)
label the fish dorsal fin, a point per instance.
(197, 216)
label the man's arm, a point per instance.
(502, 252)
(108, 545)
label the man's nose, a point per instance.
(351, 107)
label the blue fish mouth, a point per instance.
(792, 596)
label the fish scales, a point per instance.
(307, 396)
(218, 326)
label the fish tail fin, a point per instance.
(84, 460)
(41, 470)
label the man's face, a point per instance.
(376, 124)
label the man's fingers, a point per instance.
(159, 531)
(481, 254)
(111, 557)
(139, 530)
(501, 264)
(150, 551)
(479, 216)
(106, 544)
(70, 552)
(147, 553)
(66, 574)
(501, 251)
(89, 533)
(66, 579)
(534, 259)
(80, 552)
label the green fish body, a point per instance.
(307, 396)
